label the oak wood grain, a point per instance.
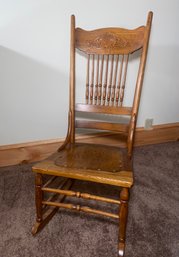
(102, 125)
(90, 162)
(115, 110)
(109, 40)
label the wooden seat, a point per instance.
(108, 52)
(95, 163)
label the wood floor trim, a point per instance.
(39, 150)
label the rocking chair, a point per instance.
(108, 53)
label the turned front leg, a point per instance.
(124, 197)
(38, 196)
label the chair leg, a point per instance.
(42, 216)
(45, 214)
(124, 197)
(38, 196)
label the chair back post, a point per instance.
(139, 82)
(71, 123)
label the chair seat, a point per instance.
(97, 163)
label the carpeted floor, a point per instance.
(153, 227)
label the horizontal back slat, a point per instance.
(102, 125)
(109, 40)
(103, 109)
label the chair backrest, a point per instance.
(108, 51)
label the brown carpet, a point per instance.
(153, 227)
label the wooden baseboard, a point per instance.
(36, 151)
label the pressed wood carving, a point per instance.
(108, 40)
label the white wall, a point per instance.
(34, 61)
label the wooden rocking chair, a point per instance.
(108, 52)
